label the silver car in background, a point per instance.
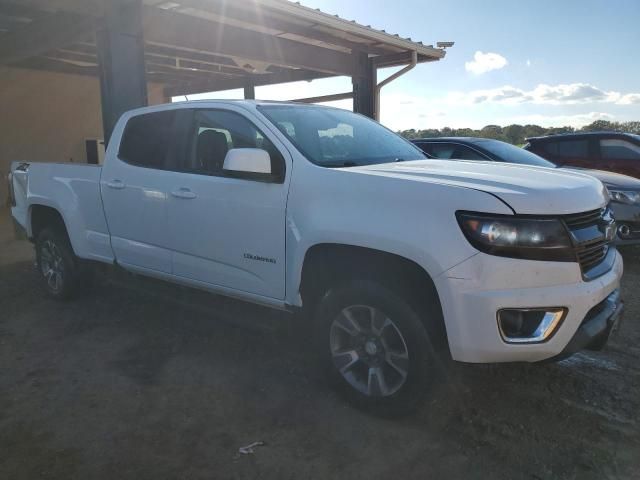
(624, 190)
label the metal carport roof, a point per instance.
(193, 46)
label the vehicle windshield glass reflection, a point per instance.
(331, 137)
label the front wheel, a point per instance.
(375, 348)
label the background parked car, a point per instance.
(610, 151)
(624, 190)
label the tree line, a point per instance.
(516, 134)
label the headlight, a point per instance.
(526, 238)
(625, 196)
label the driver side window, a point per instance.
(215, 132)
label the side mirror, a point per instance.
(247, 161)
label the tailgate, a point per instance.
(18, 187)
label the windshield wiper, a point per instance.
(351, 163)
(341, 164)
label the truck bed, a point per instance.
(74, 191)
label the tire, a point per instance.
(386, 367)
(58, 266)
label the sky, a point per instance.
(548, 62)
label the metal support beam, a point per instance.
(168, 28)
(54, 65)
(123, 83)
(254, 13)
(43, 35)
(364, 85)
(400, 59)
(92, 8)
(388, 80)
(325, 98)
(215, 85)
(249, 92)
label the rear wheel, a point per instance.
(59, 267)
(375, 348)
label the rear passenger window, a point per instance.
(216, 132)
(569, 148)
(146, 140)
(619, 149)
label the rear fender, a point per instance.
(73, 191)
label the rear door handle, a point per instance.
(184, 193)
(115, 184)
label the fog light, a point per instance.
(529, 325)
(624, 231)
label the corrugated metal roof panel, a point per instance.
(335, 22)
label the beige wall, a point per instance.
(47, 117)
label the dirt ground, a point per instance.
(129, 385)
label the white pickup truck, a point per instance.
(401, 261)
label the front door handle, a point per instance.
(183, 192)
(115, 184)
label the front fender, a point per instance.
(413, 220)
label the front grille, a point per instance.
(589, 236)
(579, 220)
(591, 256)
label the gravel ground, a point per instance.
(130, 385)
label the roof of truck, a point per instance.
(238, 101)
(247, 103)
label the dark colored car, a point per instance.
(610, 151)
(624, 190)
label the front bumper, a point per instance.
(595, 329)
(474, 291)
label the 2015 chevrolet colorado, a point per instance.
(400, 261)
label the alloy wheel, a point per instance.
(369, 350)
(52, 265)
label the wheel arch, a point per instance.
(43, 216)
(327, 264)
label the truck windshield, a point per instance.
(336, 138)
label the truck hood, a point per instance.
(526, 189)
